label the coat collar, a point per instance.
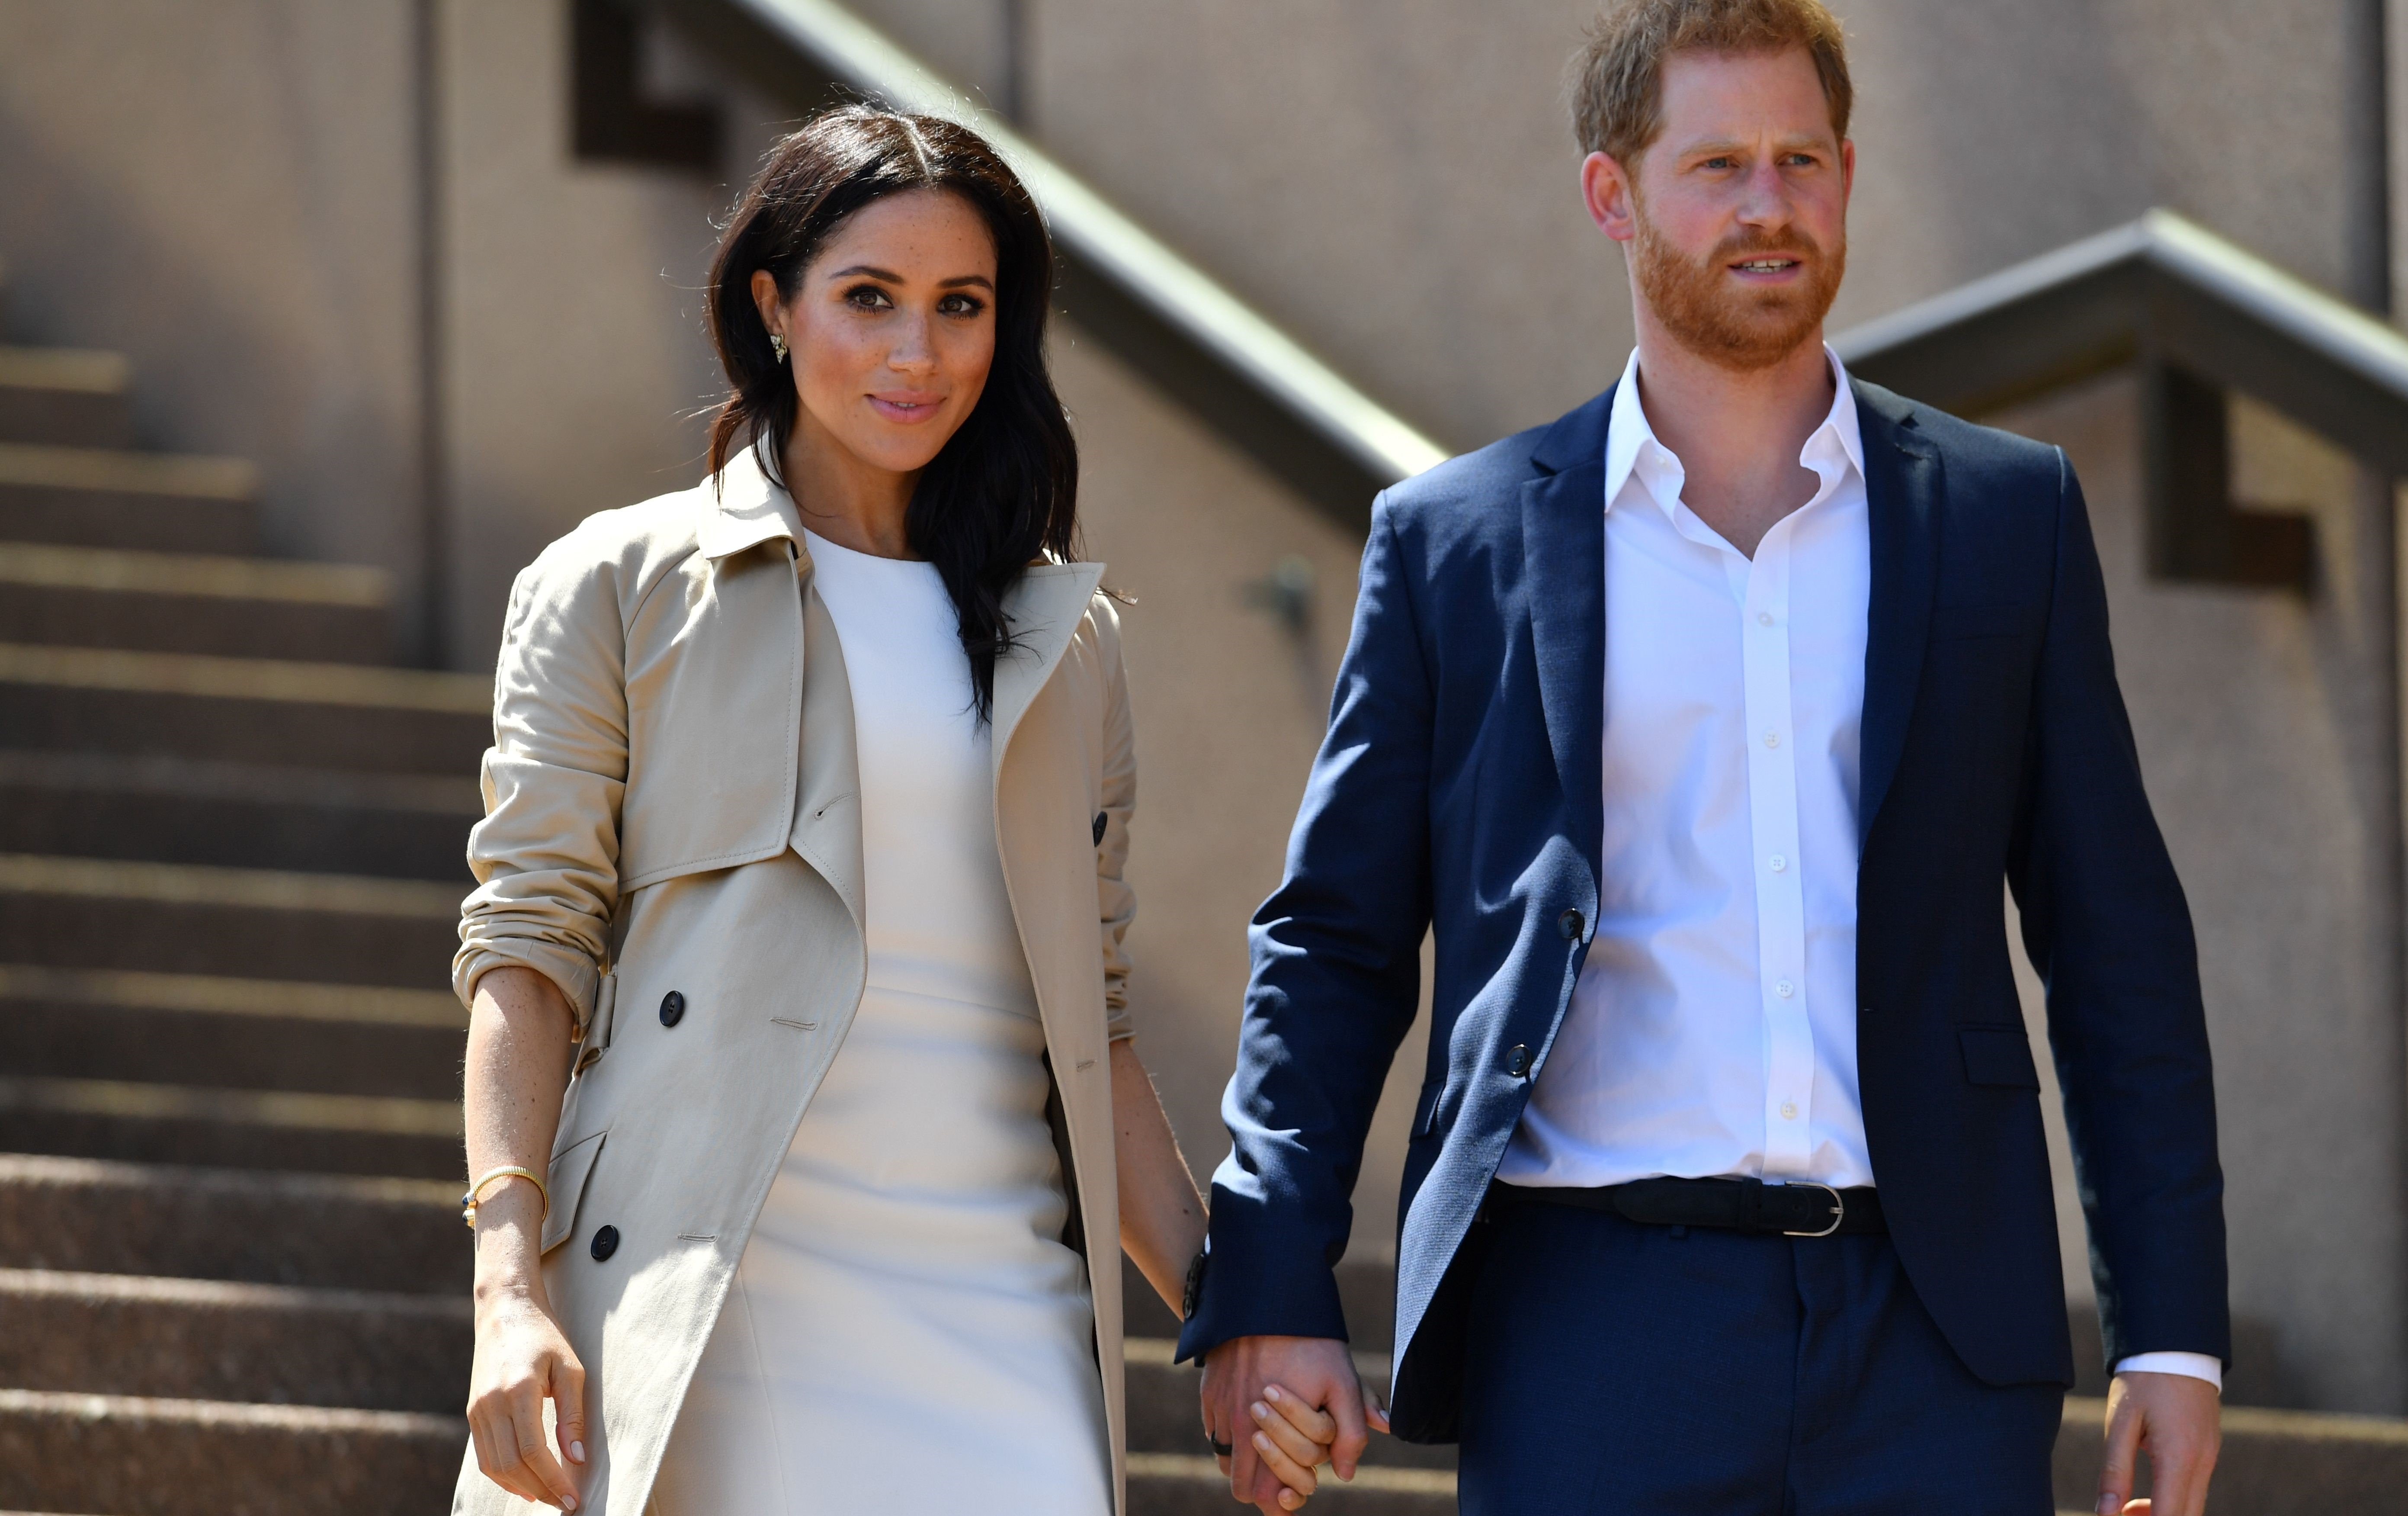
(749, 509)
(1044, 609)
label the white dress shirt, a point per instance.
(1712, 1030)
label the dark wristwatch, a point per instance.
(1192, 1296)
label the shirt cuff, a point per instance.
(2197, 1366)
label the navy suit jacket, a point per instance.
(1459, 788)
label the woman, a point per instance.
(798, 1045)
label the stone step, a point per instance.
(272, 1129)
(85, 805)
(102, 497)
(66, 396)
(238, 923)
(1192, 1484)
(85, 1023)
(243, 710)
(133, 1456)
(2273, 1462)
(169, 602)
(322, 1231)
(208, 1339)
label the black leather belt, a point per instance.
(1798, 1210)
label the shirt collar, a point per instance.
(1631, 447)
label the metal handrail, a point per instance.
(1192, 315)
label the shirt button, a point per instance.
(1570, 924)
(1783, 988)
(1779, 863)
(605, 1243)
(672, 1008)
(1789, 1110)
(1517, 1062)
(1773, 740)
(1764, 617)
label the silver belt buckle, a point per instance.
(1839, 1207)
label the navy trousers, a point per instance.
(1620, 1368)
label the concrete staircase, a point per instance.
(231, 1276)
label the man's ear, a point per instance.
(1606, 189)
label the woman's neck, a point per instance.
(851, 503)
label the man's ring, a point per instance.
(1220, 1449)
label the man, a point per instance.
(1702, 726)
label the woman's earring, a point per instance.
(777, 345)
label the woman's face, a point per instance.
(892, 330)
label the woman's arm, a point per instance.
(1162, 1215)
(518, 1050)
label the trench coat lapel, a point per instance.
(827, 792)
(1903, 493)
(1043, 611)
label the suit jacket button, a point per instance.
(1570, 924)
(672, 1008)
(606, 1242)
(1517, 1062)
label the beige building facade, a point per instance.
(354, 243)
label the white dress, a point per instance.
(907, 1331)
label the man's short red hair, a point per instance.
(1617, 87)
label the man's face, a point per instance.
(1738, 207)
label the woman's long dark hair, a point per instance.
(1004, 489)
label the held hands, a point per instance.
(1283, 1404)
(2177, 1419)
(523, 1360)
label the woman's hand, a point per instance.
(1292, 1440)
(523, 1359)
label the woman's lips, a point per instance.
(906, 406)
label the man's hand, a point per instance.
(1319, 1371)
(2178, 1419)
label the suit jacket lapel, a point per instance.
(1563, 553)
(1903, 493)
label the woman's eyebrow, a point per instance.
(889, 277)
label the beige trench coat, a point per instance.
(671, 806)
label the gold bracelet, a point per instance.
(468, 1201)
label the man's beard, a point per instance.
(1732, 325)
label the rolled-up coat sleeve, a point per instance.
(1115, 901)
(546, 855)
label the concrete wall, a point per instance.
(1393, 180)
(575, 361)
(2251, 714)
